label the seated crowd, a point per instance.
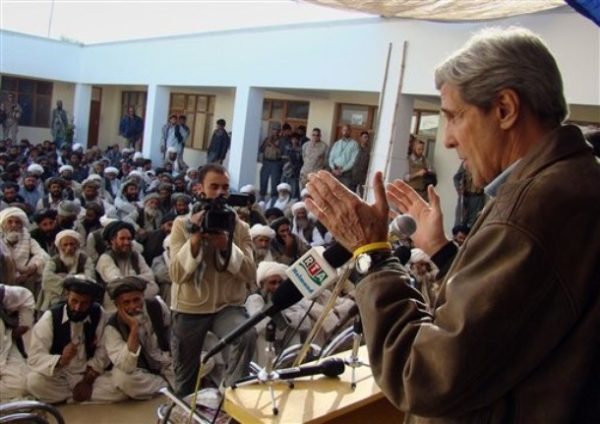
(85, 249)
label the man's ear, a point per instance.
(507, 107)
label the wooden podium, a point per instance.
(316, 399)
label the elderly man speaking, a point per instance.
(513, 335)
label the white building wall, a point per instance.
(330, 58)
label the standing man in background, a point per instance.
(343, 156)
(132, 128)
(361, 166)
(314, 154)
(219, 144)
(58, 124)
(13, 113)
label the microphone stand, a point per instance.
(317, 327)
(353, 361)
(267, 375)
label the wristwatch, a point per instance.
(370, 260)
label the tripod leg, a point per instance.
(275, 410)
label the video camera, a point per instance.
(219, 216)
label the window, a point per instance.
(33, 96)
(425, 126)
(137, 99)
(294, 113)
(199, 110)
(358, 117)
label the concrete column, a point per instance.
(81, 113)
(157, 110)
(391, 135)
(247, 109)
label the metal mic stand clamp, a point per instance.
(353, 361)
(267, 375)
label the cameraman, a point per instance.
(204, 299)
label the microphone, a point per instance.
(322, 264)
(316, 269)
(331, 367)
(403, 226)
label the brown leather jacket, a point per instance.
(515, 334)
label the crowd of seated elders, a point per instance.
(84, 248)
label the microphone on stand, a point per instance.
(331, 367)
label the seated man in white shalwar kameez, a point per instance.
(66, 358)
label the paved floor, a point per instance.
(129, 412)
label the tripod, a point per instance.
(267, 375)
(353, 361)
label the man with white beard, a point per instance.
(28, 256)
(70, 260)
(137, 340)
(283, 200)
(304, 227)
(148, 218)
(261, 240)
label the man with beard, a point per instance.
(46, 230)
(72, 187)
(30, 191)
(120, 260)
(148, 219)
(28, 256)
(91, 220)
(66, 358)
(70, 260)
(304, 228)
(153, 240)
(181, 203)
(67, 214)
(10, 194)
(137, 340)
(283, 200)
(165, 190)
(91, 192)
(261, 240)
(16, 317)
(55, 187)
(286, 247)
(127, 203)
(112, 184)
(208, 295)
(269, 276)
(172, 157)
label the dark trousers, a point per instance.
(189, 331)
(270, 169)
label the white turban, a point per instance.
(297, 206)
(35, 168)
(248, 189)
(67, 233)
(128, 150)
(172, 150)
(136, 173)
(105, 220)
(417, 255)
(65, 168)
(261, 230)
(304, 193)
(138, 155)
(111, 170)
(94, 177)
(284, 186)
(15, 212)
(268, 269)
(76, 147)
